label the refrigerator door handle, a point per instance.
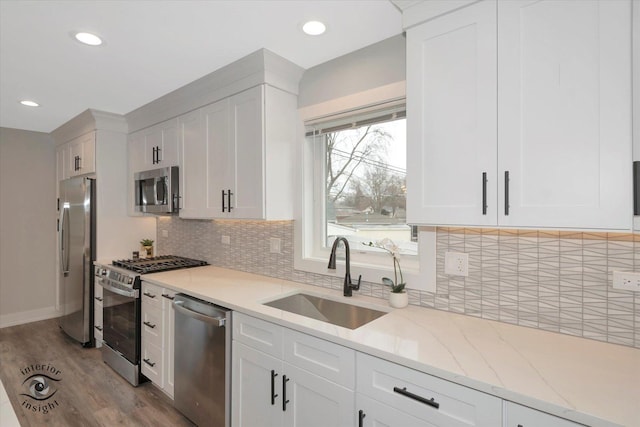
(64, 239)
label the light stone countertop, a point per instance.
(590, 382)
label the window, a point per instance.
(365, 175)
(354, 185)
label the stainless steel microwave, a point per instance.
(157, 191)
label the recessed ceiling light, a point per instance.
(29, 103)
(314, 28)
(88, 38)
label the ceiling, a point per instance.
(154, 47)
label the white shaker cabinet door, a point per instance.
(254, 402)
(312, 401)
(451, 118)
(247, 167)
(564, 108)
(219, 157)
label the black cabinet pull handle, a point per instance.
(520, 425)
(98, 328)
(149, 295)
(506, 193)
(151, 325)
(403, 391)
(273, 387)
(167, 296)
(149, 362)
(285, 380)
(223, 194)
(484, 193)
(229, 194)
(158, 151)
(98, 298)
(153, 155)
(361, 416)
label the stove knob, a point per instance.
(130, 281)
(104, 271)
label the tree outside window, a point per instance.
(366, 185)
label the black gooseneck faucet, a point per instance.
(348, 286)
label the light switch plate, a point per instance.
(226, 240)
(628, 280)
(456, 264)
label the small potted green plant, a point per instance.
(398, 296)
(147, 245)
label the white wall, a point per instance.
(374, 66)
(27, 226)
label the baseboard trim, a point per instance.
(22, 317)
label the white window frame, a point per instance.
(309, 253)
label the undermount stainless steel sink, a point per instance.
(334, 312)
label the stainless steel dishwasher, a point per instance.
(202, 361)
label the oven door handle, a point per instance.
(216, 321)
(132, 294)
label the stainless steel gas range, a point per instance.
(121, 282)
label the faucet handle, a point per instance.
(357, 287)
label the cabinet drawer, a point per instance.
(323, 358)
(409, 390)
(151, 364)
(256, 333)
(152, 327)
(97, 292)
(521, 416)
(152, 294)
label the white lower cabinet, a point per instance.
(157, 336)
(433, 401)
(522, 416)
(284, 378)
(281, 377)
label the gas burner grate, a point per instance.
(158, 264)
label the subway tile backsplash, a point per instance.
(555, 281)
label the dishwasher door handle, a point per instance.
(217, 321)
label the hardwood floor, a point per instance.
(88, 392)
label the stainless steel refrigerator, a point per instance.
(76, 248)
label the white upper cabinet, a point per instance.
(564, 110)
(245, 156)
(543, 139)
(154, 148)
(236, 151)
(451, 118)
(203, 142)
(76, 157)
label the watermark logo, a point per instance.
(40, 385)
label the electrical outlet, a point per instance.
(628, 280)
(226, 240)
(274, 245)
(456, 264)
(165, 233)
